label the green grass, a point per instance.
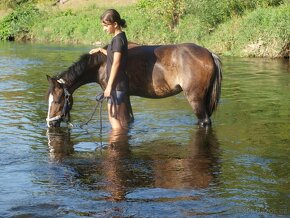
(262, 32)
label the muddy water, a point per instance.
(165, 166)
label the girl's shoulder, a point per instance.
(120, 39)
(121, 35)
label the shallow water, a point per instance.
(165, 166)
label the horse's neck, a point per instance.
(70, 84)
(90, 75)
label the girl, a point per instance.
(117, 80)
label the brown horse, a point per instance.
(156, 71)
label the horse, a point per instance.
(154, 71)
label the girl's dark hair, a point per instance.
(111, 16)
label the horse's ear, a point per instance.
(48, 78)
(51, 79)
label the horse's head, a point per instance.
(89, 68)
(59, 102)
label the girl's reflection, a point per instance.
(116, 165)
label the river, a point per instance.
(166, 166)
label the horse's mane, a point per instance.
(73, 72)
(79, 67)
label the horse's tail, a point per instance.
(214, 90)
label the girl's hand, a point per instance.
(107, 92)
(95, 50)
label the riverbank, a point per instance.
(263, 32)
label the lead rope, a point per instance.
(99, 98)
(101, 120)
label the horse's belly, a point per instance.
(162, 85)
(154, 87)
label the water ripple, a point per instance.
(165, 166)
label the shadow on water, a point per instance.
(120, 167)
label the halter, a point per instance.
(66, 107)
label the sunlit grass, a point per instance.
(261, 32)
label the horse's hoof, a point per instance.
(204, 123)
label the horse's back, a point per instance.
(182, 60)
(168, 52)
(164, 70)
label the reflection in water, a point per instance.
(194, 170)
(251, 124)
(115, 165)
(116, 172)
(59, 143)
(193, 167)
(197, 168)
(119, 138)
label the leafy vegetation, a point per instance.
(16, 3)
(232, 27)
(18, 23)
(215, 12)
(261, 33)
(170, 11)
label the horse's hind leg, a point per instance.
(199, 108)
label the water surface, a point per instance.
(165, 166)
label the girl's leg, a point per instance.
(121, 121)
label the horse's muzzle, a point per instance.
(54, 123)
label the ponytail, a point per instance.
(123, 23)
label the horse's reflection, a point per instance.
(195, 169)
(118, 168)
(59, 143)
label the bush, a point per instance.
(145, 29)
(190, 29)
(16, 3)
(170, 11)
(261, 33)
(228, 27)
(18, 23)
(85, 27)
(70, 27)
(215, 12)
